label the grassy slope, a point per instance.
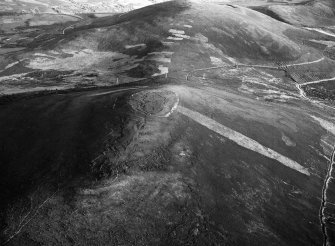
(176, 182)
(318, 13)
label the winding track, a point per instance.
(297, 85)
(324, 198)
(71, 15)
(68, 27)
(256, 66)
(317, 81)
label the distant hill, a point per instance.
(73, 6)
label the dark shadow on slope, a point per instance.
(49, 141)
(270, 13)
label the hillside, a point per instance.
(179, 123)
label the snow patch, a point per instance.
(217, 61)
(319, 30)
(12, 65)
(160, 59)
(80, 60)
(287, 140)
(174, 38)
(162, 69)
(135, 46)
(168, 43)
(12, 77)
(169, 53)
(241, 139)
(179, 34)
(174, 31)
(330, 127)
(324, 42)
